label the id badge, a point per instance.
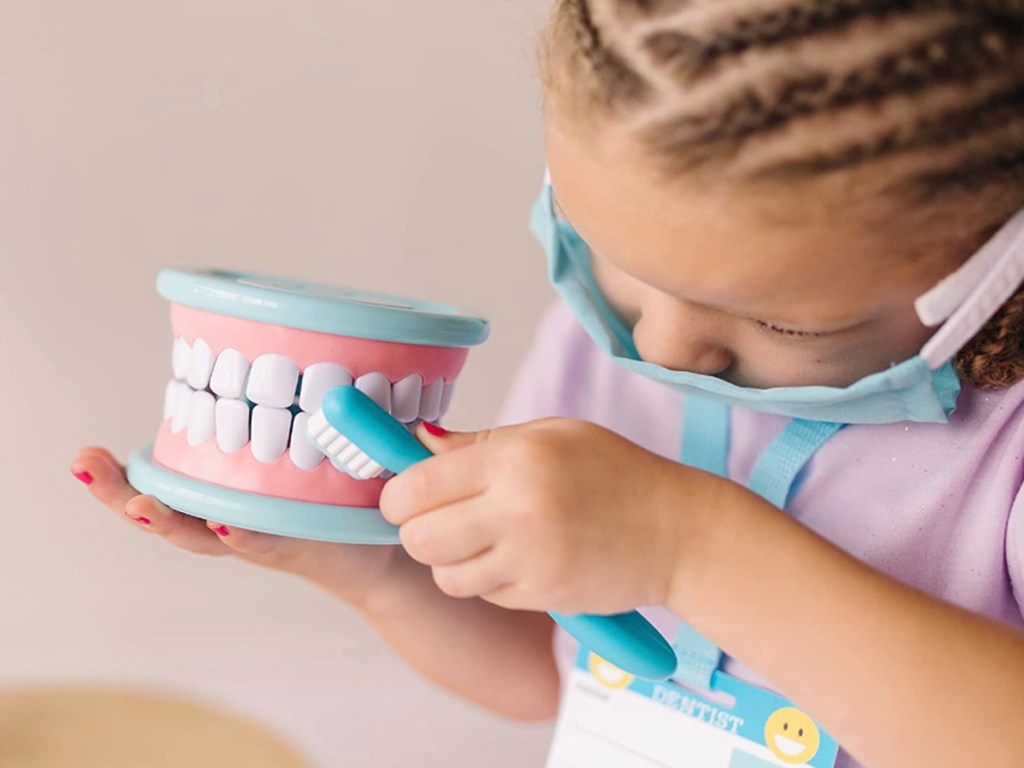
(610, 719)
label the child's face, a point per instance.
(717, 282)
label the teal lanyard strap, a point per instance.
(775, 473)
(706, 429)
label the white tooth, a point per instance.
(180, 419)
(317, 380)
(200, 418)
(272, 381)
(181, 358)
(270, 428)
(232, 424)
(430, 403)
(201, 365)
(228, 379)
(377, 386)
(175, 390)
(303, 453)
(446, 398)
(405, 397)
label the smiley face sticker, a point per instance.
(608, 674)
(791, 735)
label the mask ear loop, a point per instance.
(969, 297)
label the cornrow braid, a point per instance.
(691, 58)
(1006, 167)
(959, 55)
(946, 128)
(619, 83)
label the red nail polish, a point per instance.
(435, 430)
(85, 477)
(222, 530)
(142, 520)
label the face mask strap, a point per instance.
(968, 298)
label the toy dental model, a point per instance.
(252, 359)
(256, 357)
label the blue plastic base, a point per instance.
(254, 512)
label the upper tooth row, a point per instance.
(272, 380)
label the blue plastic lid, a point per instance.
(321, 307)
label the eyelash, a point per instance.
(787, 332)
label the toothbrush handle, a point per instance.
(626, 640)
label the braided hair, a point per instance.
(704, 81)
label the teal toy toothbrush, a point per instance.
(357, 434)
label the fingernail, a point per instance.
(435, 430)
(142, 520)
(85, 477)
(222, 530)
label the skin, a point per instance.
(564, 515)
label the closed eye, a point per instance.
(790, 332)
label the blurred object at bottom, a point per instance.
(81, 727)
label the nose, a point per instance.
(682, 337)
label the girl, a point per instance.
(750, 206)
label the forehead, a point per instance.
(787, 253)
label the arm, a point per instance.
(497, 658)
(899, 677)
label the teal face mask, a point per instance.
(923, 388)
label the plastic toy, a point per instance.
(252, 359)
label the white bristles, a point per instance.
(343, 453)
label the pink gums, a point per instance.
(359, 356)
(281, 478)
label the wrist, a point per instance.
(704, 506)
(354, 573)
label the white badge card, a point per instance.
(610, 719)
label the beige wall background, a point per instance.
(392, 146)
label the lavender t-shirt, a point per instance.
(937, 506)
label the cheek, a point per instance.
(622, 292)
(765, 363)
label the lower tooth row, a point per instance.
(269, 432)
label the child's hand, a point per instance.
(348, 570)
(557, 515)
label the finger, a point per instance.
(470, 578)
(259, 546)
(105, 478)
(182, 531)
(448, 535)
(435, 482)
(506, 596)
(317, 560)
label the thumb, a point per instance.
(440, 440)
